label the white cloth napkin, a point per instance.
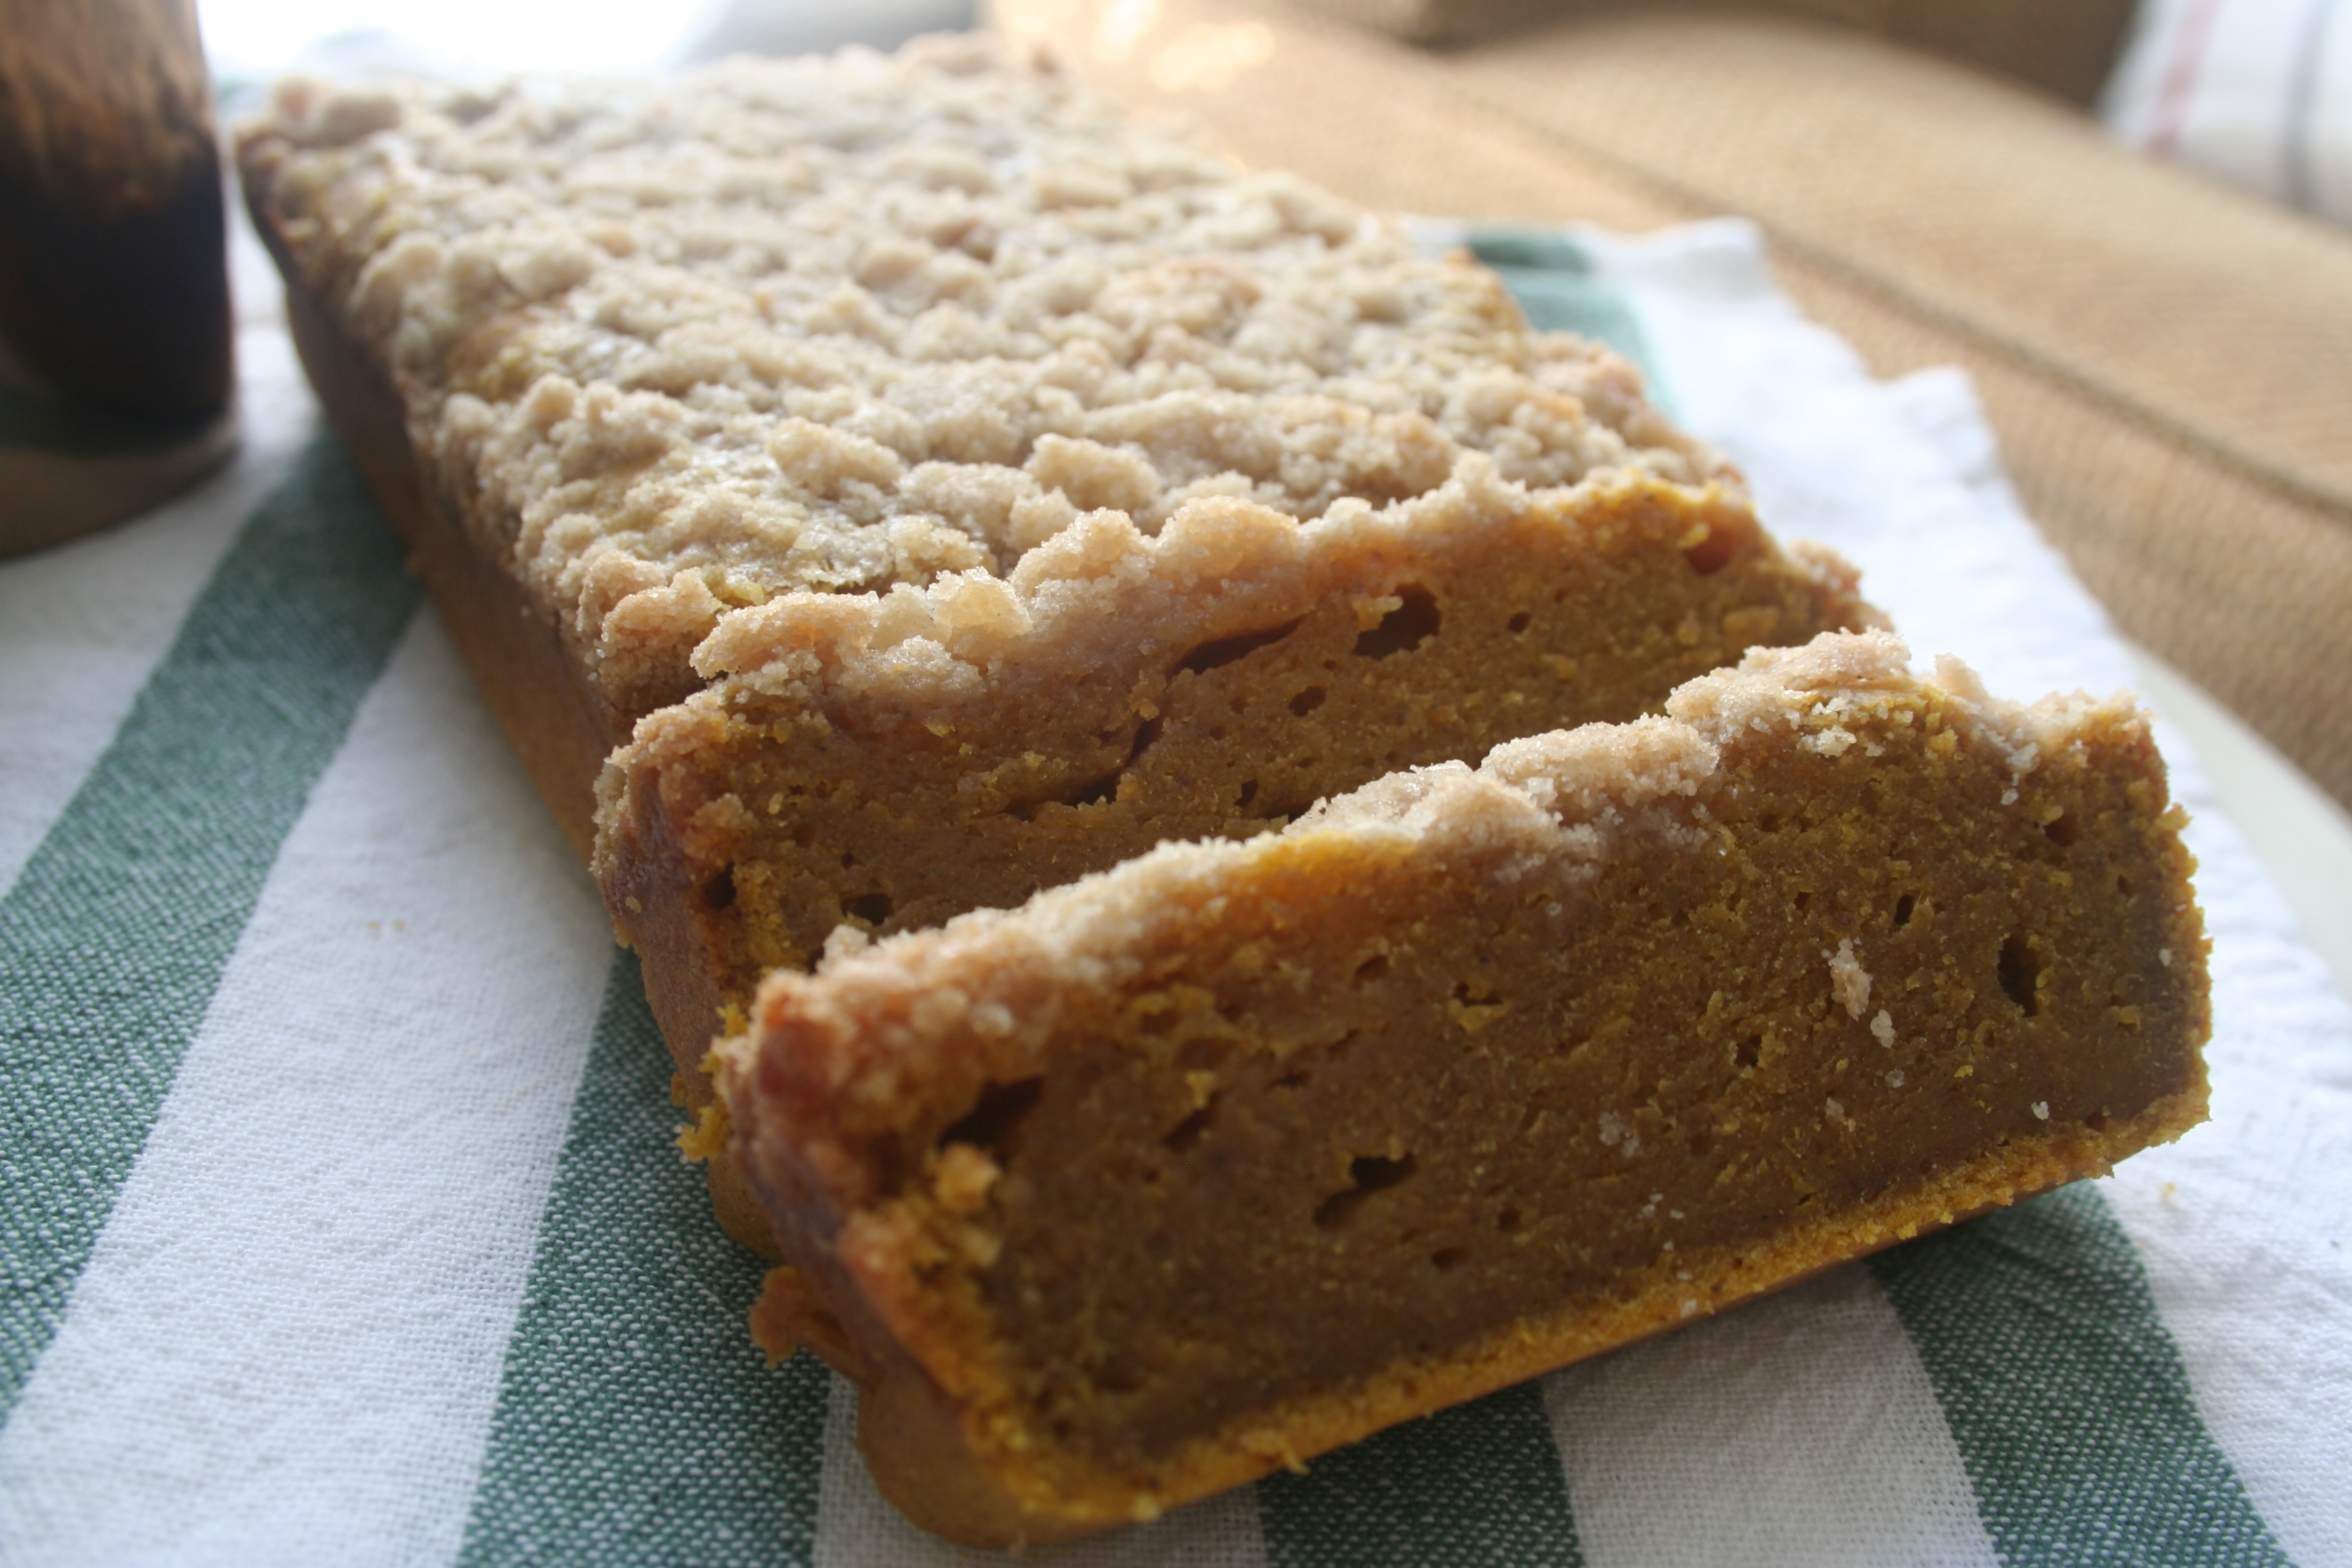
(340, 1224)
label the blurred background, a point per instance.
(252, 41)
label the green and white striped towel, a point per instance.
(341, 1225)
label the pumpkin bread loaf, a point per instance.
(947, 487)
(1520, 1063)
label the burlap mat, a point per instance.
(2168, 364)
(2062, 47)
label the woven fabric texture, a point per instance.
(2062, 46)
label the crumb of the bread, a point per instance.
(705, 1136)
(1849, 981)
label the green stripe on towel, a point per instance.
(1477, 1486)
(2066, 1395)
(1552, 278)
(118, 928)
(636, 1423)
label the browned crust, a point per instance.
(658, 912)
(558, 722)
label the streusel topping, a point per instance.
(684, 345)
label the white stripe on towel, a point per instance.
(88, 620)
(287, 1344)
(1800, 1429)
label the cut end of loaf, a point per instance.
(1522, 1062)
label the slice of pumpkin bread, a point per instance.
(891, 760)
(1245, 1150)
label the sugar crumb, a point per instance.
(963, 1178)
(1849, 981)
(1616, 1133)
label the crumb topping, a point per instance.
(685, 345)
